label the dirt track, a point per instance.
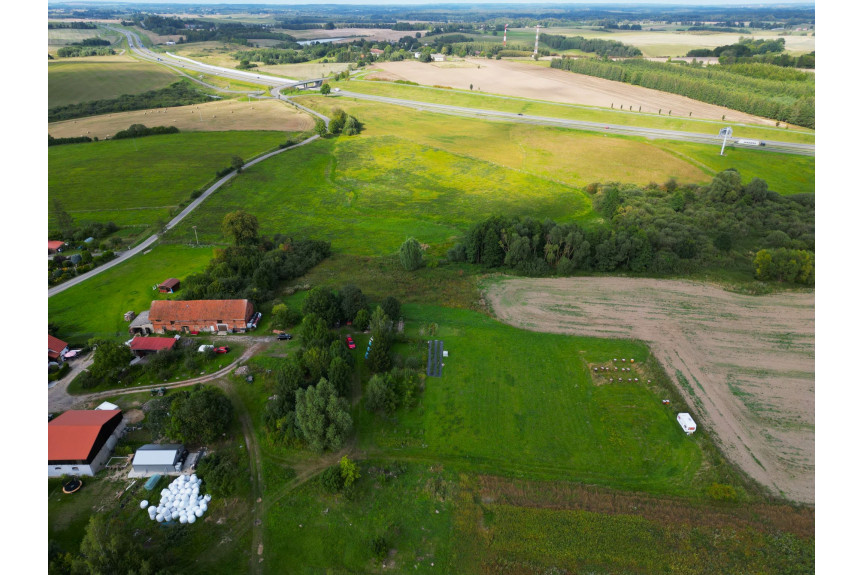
(750, 361)
(524, 80)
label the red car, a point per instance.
(351, 344)
(223, 349)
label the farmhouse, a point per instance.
(55, 247)
(217, 315)
(154, 458)
(57, 349)
(80, 441)
(169, 285)
(376, 52)
(142, 346)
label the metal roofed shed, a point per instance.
(686, 422)
(155, 458)
(107, 406)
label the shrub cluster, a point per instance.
(253, 271)
(662, 230)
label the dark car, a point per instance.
(351, 344)
(284, 336)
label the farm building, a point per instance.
(142, 346)
(107, 406)
(57, 349)
(141, 324)
(55, 247)
(169, 285)
(80, 441)
(376, 52)
(438, 57)
(153, 458)
(218, 315)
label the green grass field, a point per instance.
(158, 173)
(573, 157)
(523, 403)
(568, 111)
(81, 81)
(367, 195)
(96, 307)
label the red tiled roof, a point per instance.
(152, 343)
(55, 346)
(201, 309)
(71, 435)
(170, 283)
(55, 244)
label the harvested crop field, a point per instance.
(221, 116)
(745, 364)
(525, 80)
(350, 34)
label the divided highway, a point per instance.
(277, 84)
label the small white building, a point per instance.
(438, 57)
(154, 458)
(107, 406)
(686, 422)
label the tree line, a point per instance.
(610, 48)
(181, 93)
(791, 102)
(71, 25)
(254, 266)
(656, 230)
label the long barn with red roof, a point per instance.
(80, 441)
(209, 315)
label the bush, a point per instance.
(331, 479)
(379, 547)
(411, 255)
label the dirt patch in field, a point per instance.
(224, 115)
(351, 34)
(525, 80)
(745, 364)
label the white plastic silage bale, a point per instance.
(198, 512)
(144, 503)
(191, 519)
(182, 518)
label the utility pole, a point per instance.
(504, 34)
(536, 44)
(725, 133)
(196, 234)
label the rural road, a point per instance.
(59, 398)
(177, 219)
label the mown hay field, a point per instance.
(72, 82)
(219, 116)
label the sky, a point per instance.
(444, 2)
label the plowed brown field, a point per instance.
(748, 361)
(524, 80)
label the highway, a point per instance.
(650, 133)
(277, 84)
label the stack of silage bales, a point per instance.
(181, 501)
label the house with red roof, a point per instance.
(169, 285)
(142, 346)
(57, 348)
(208, 315)
(55, 247)
(80, 441)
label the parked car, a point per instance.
(351, 344)
(223, 349)
(284, 336)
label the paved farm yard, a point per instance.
(746, 364)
